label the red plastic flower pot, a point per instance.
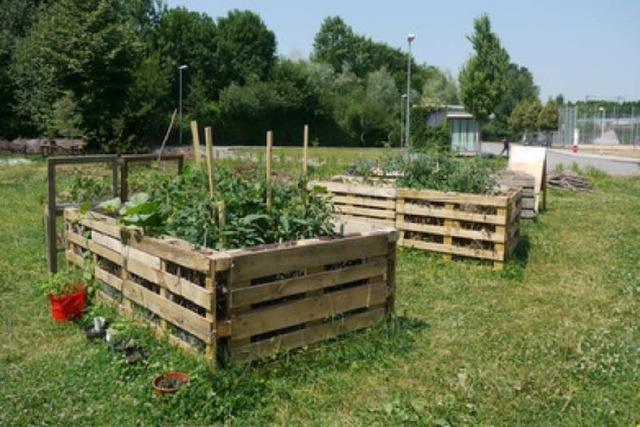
(69, 306)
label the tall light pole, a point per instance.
(602, 122)
(180, 68)
(403, 101)
(407, 140)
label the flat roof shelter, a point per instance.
(463, 128)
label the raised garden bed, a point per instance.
(240, 304)
(462, 225)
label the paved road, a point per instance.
(613, 165)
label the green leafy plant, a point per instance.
(182, 207)
(62, 282)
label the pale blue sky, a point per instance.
(573, 47)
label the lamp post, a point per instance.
(407, 140)
(602, 123)
(402, 104)
(180, 68)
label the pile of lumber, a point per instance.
(568, 180)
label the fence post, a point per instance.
(196, 141)
(268, 177)
(208, 139)
(305, 151)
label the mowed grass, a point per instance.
(552, 340)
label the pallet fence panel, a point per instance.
(484, 227)
(240, 304)
(295, 296)
(362, 202)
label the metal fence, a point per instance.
(597, 125)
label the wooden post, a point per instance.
(447, 240)
(221, 219)
(268, 154)
(196, 141)
(208, 140)
(305, 151)
(211, 349)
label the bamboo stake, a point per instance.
(268, 154)
(305, 151)
(196, 141)
(208, 140)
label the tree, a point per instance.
(547, 120)
(335, 44)
(483, 77)
(519, 86)
(439, 89)
(524, 117)
(185, 37)
(246, 47)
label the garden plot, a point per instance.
(240, 304)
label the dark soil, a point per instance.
(170, 383)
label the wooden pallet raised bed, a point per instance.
(483, 227)
(240, 304)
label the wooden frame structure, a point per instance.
(240, 304)
(484, 227)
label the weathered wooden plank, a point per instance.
(282, 288)
(355, 210)
(77, 239)
(365, 201)
(133, 254)
(413, 209)
(359, 189)
(103, 251)
(453, 231)
(452, 249)
(174, 313)
(101, 225)
(271, 261)
(245, 325)
(308, 335)
(106, 241)
(452, 197)
(177, 285)
(74, 258)
(174, 251)
(108, 278)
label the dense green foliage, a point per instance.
(107, 71)
(483, 77)
(432, 169)
(530, 116)
(182, 207)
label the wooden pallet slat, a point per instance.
(264, 263)
(307, 336)
(260, 321)
(311, 282)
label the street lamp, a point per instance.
(407, 140)
(180, 68)
(602, 123)
(403, 101)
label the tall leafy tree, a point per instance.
(335, 44)
(246, 47)
(483, 77)
(548, 118)
(519, 86)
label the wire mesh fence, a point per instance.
(598, 125)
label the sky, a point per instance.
(578, 48)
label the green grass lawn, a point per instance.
(554, 339)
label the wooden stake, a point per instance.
(268, 153)
(221, 220)
(208, 140)
(196, 141)
(305, 151)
